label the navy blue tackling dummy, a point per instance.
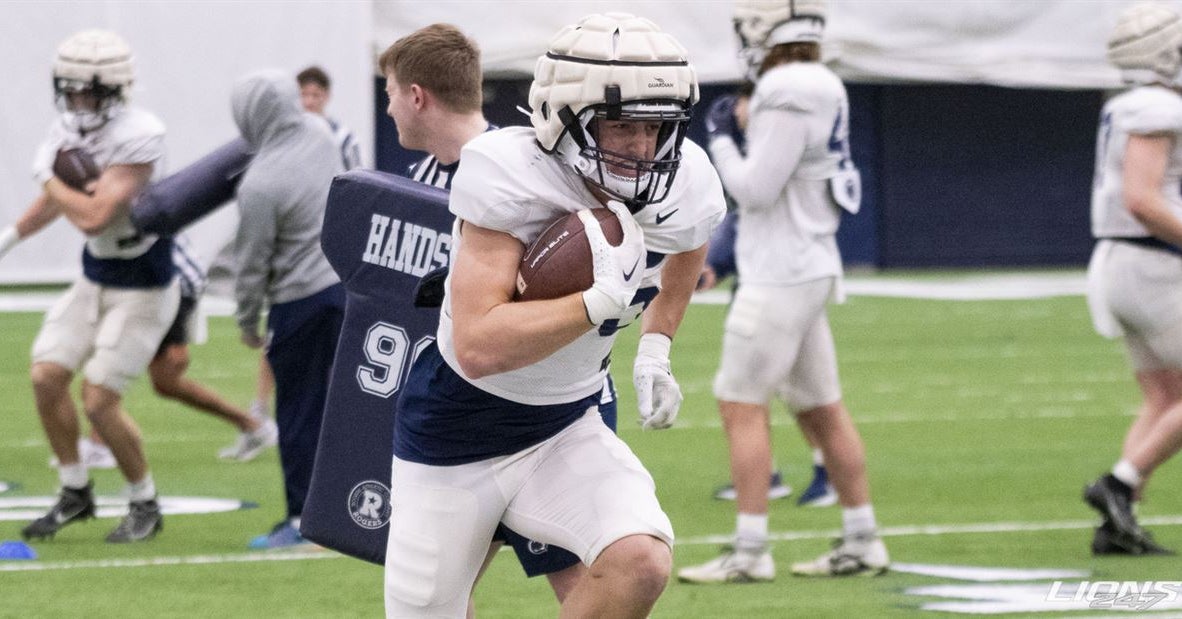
(165, 207)
(382, 233)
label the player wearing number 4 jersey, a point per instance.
(789, 188)
(499, 421)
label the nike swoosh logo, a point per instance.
(628, 274)
(663, 216)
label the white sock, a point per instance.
(858, 520)
(142, 490)
(73, 476)
(1127, 473)
(818, 457)
(295, 523)
(751, 532)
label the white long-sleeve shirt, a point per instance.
(797, 137)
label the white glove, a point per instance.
(657, 395)
(618, 270)
(8, 239)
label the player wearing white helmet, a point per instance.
(789, 189)
(111, 321)
(95, 64)
(498, 421)
(763, 24)
(1135, 275)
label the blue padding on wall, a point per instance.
(953, 175)
(985, 176)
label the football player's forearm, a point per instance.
(92, 213)
(513, 335)
(679, 277)
(40, 213)
(1144, 167)
(1157, 218)
(86, 213)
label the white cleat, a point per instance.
(733, 566)
(251, 444)
(851, 556)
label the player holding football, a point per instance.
(434, 83)
(111, 321)
(789, 188)
(1135, 275)
(498, 422)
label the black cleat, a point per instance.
(73, 505)
(1109, 541)
(142, 522)
(1114, 500)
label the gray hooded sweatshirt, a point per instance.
(281, 198)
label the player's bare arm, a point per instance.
(113, 193)
(1144, 171)
(492, 333)
(40, 213)
(679, 276)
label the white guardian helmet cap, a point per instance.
(614, 66)
(764, 24)
(96, 62)
(1145, 44)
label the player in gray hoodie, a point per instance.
(281, 201)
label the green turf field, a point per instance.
(982, 422)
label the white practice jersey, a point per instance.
(1141, 111)
(797, 140)
(132, 136)
(507, 183)
(347, 143)
(191, 274)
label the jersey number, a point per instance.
(389, 356)
(1103, 136)
(846, 185)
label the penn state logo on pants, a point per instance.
(369, 504)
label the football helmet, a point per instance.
(1145, 44)
(97, 63)
(764, 24)
(611, 67)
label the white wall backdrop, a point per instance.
(1048, 43)
(188, 54)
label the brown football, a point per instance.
(558, 262)
(75, 167)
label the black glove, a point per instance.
(720, 118)
(429, 291)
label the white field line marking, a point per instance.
(938, 529)
(897, 531)
(861, 417)
(949, 288)
(33, 566)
